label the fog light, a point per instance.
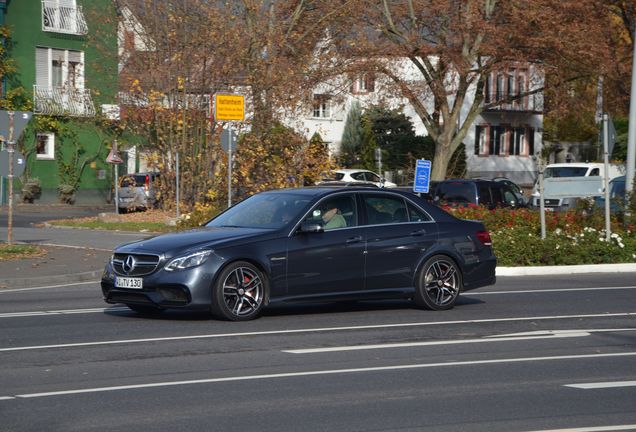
(174, 294)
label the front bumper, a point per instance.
(189, 289)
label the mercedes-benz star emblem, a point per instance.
(129, 264)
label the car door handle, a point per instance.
(355, 239)
(418, 232)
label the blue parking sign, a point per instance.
(422, 176)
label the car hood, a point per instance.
(171, 244)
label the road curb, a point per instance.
(566, 269)
(34, 282)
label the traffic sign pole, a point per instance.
(11, 150)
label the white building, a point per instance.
(501, 142)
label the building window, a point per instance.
(322, 106)
(63, 16)
(481, 141)
(59, 68)
(364, 83)
(497, 141)
(45, 146)
(519, 142)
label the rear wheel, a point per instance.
(239, 292)
(438, 284)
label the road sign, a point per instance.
(114, 158)
(228, 138)
(19, 163)
(20, 120)
(229, 107)
(422, 176)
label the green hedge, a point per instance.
(573, 237)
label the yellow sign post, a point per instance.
(229, 107)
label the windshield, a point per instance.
(565, 172)
(266, 210)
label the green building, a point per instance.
(65, 53)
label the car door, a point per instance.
(331, 261)
(398, 234)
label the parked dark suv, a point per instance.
(488, 193)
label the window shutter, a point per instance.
(42, 67)
(75, 56)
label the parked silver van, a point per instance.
(137, 191)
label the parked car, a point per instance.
(489, 193)
(137, 191)
(360, 175)
(617, 196)
(515, 188)
(337, 183)
(283, 245)
(428, 196)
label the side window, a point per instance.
(417, 215)
(509, 197)
(382, 209)
(336, 212)
(373, 177)
(595, 172)
(497, 198)
(358, 176)
(484, 195)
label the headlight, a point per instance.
(186, 261)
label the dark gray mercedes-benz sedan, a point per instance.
(310, 244)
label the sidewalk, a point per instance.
(60, 265)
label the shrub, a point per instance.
(572, 237)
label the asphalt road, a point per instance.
(529, 354)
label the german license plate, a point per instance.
(128, 282)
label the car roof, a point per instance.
(351, 170)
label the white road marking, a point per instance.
(470, 293)
(316, 373)
(62, 312)
(433, 343)
(314, 330)
(4, 291)
(542, 334)
(593, 429)
(602, 385)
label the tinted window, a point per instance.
(456, 192)
(372, 177)
(417, 215)
(497, 196)
(382, 209)
(337, 212)
(338, 176)
(358, 176)
(565, 172)
(484, 195)
(509, 197)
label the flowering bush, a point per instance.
(572, 237)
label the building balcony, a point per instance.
(63, 101)
(63, 19)
(532, 103)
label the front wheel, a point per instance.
(239, 292)
(438, 284)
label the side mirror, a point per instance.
(310, 227)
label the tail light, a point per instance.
(484, 238)
(147, 183)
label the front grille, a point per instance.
(552, 202)
(134, 264)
